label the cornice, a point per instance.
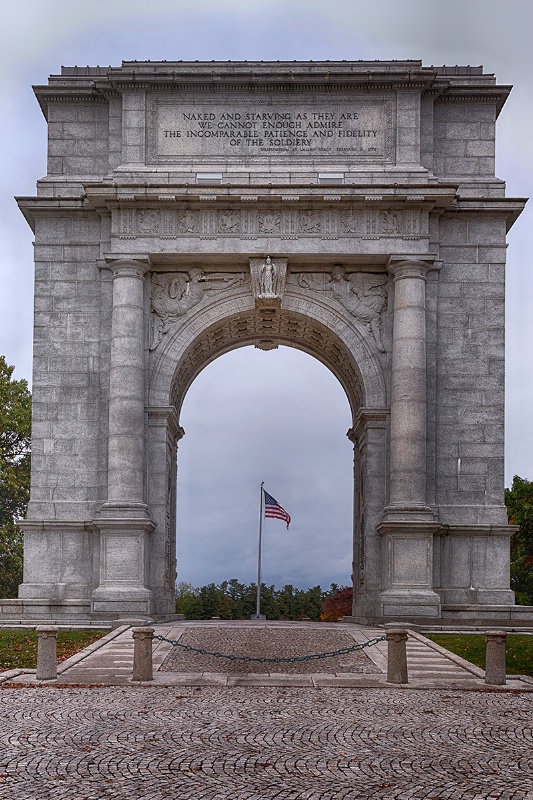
(104, 197)
(418, 196)
(509, 207)
(307, 77)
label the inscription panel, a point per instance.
(357, 127)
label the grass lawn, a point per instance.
(18, 648)
(519, 650)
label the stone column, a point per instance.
(126, 385)
(408, 389)
(408, 523)
(124, 521)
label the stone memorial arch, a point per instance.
(349, 209)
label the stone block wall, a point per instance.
(470, 369)
(463, 139)
(67, 401)
(78, 135)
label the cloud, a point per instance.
(280, 417)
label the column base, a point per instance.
(124, 560)
(125, 510)
(409, 603)
(415, 512)
(117, 600)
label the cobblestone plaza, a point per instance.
(256, 743)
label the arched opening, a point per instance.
(318, 329)
(278, 416)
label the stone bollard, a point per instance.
(397, 656)
(495, 658)
(142, 654)
(46, 652)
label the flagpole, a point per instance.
(258, 598)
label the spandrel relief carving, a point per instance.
(174, 294)
(363, 294)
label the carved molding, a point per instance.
(367, 418)
(255, 222)
(266, 329)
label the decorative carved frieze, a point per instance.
(363, 294)
(286, 222)
(175, 293)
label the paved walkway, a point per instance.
(257, 736)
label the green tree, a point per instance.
(15, 429)
(519, 502)
(312, 602)
(236, 591)
(184, 593)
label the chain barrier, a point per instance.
(265, 660)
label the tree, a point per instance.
(337, 605)
(184, 592)
(235, 600)
(519, 502)
(15, 429)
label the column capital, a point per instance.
(165, 416)
(126, 266)
(367, 418)
(401, 267)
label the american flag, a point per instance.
(274, 510)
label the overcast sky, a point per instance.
(276, 416)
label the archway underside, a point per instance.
(267, 328)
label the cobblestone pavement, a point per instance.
(268, 642)
(255, 744)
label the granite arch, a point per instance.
(149, 240)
